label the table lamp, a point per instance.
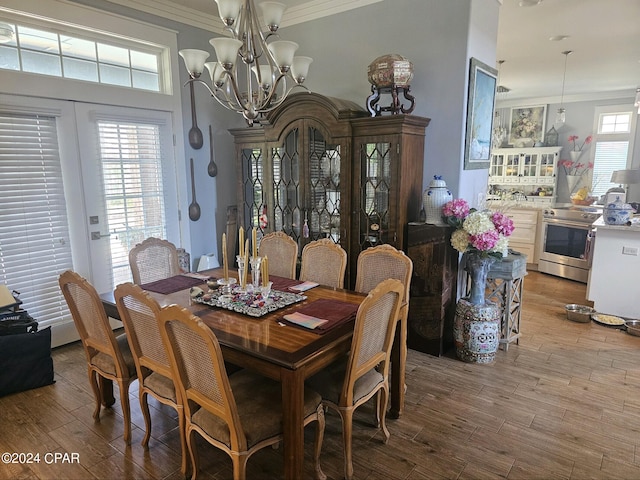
(624, 177)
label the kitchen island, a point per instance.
(613, 278)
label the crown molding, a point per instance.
(316, 9)
(179, 13)
(305, 12)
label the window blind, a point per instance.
(34, 233)
(609, 156)
(132, 178)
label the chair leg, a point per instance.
(93, 381)
(183, 441)
(144, 406)
(347, 432)
(193, 453)
(318, 447)
(383, 400)
(239, 461)
(126, 410)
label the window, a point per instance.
(37, 50)
(131, 164)
(614, 131)
(34, 232)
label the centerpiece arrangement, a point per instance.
(481, 236)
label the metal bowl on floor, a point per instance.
(579, 313)
(633, 327)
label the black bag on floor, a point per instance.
(25, 361)
(19, 321)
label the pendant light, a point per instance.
(560, 116)
(6, 32)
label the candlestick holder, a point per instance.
(226, 285)
(241, 273)
(256, 263)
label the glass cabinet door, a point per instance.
(323, 186)
(253, 183)
(374, 188)
(287, 200)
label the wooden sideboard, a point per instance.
(432, 301)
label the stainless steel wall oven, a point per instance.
(567, 242)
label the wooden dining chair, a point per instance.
(108, 356)
(153, 259)
(138, 312)
(379, 263)
(324, 262)
(239, 414)
(282, 252)
(352, 381)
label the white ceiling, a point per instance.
(604, 36)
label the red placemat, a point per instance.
(172, 284)
(334, 312)
(282, 283)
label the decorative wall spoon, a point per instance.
(194, 208)
(212, 168)
(195, 134)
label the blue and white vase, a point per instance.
(434, 198)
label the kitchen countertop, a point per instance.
(634, 227)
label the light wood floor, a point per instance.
(563, 404)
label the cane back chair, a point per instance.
(153, 259)
(324, 262)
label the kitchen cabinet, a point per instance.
(524, 238)
(432, 301)
(320, 167)
(531, 172)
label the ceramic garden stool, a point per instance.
(476, 331)
(505, 282)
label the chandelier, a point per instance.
(250, 76)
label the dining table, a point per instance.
(270, 345)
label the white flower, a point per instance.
(477, 223)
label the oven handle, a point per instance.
(588, 248)
(567, 223)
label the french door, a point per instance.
(111, 172)
(129, 185)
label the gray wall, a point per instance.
(438, 36)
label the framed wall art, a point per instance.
(480, 105)
(526, 125)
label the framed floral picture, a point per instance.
(480, 104)
(526, 125)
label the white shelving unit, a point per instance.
(528, 172)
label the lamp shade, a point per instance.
(218, 77)
(194, 60)
(226, 50)
(626, 177)
(272, 14)
(229, 10)
(265, 76)
(300, 68)
(283, 51)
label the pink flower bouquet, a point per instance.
(482, 232)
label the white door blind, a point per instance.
(34, 233)
(610, 156)
(131, 165)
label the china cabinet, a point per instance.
(531, 172)
(320, 167)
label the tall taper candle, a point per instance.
(241, 242)
(254, 240)
(265, 271)
(225, 264)
(246, 263)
